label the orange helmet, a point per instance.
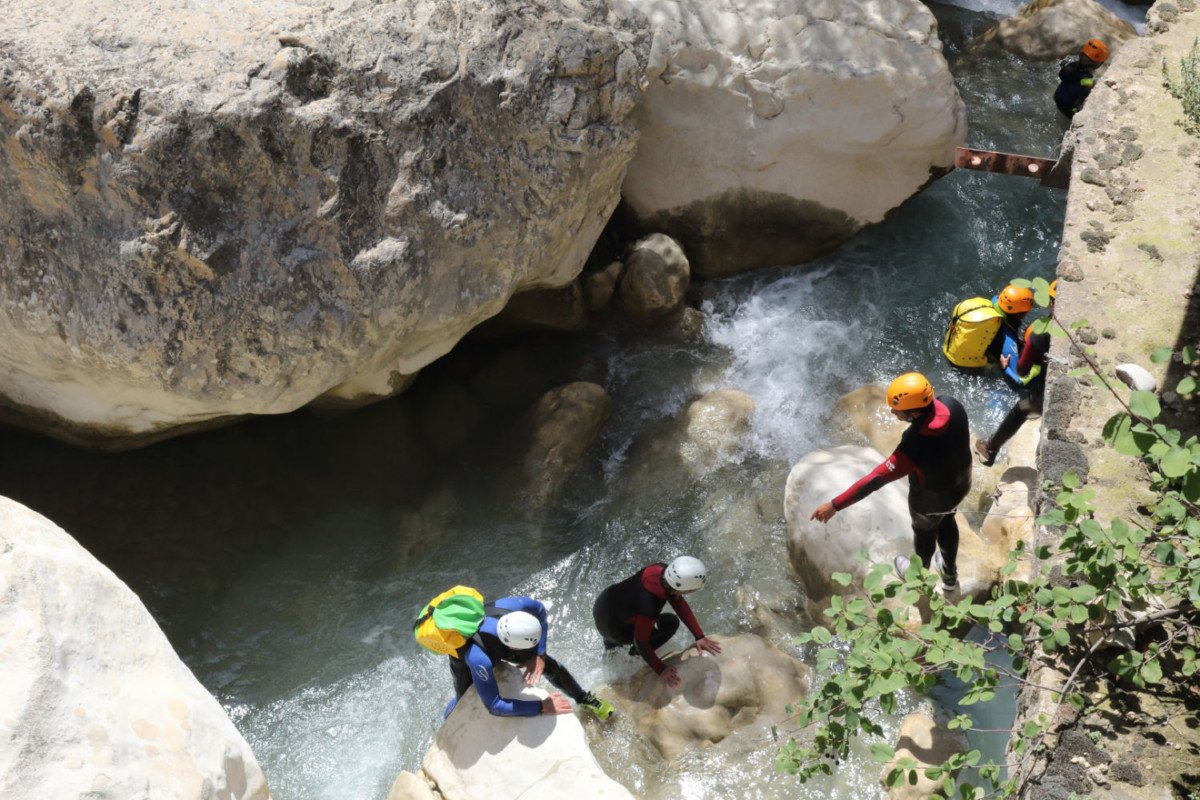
(1016, 299)
(1053, 286)
(910, 391)
(1096, 50)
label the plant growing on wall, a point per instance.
(1186, 89)
(1115, 601)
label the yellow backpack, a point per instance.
(449, 620)
(973, 325)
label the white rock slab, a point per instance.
(478, 756)
(94, 703)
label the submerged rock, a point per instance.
(1052, 29)
(716, 425)
(478, 756)
(744, 690)
(929, 744)
(565, 422)
(865, 411)
(96, 702)
(236, 210)
(772, 132)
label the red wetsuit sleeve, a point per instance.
(1029, 357)
(685, 613)
(642, 626)
(895, 467)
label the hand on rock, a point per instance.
(670, 676)
(556, 704)
(1004, 361)
(824, 512)
(533, 669)
(707, 645)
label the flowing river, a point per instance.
(285, 558)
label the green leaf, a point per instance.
(1119, 432)
(1176, 463)
(1151, 671)
(1161, 355)
(882, 753)
(1083, 594)
(821, 635)
(1191, 487)
(1188, 354)
(1070, 480)
(1079, 323)
(1186, 386)
(1145, 405)
(842, 578)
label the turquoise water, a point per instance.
(285, 557)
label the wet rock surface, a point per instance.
(742, 691)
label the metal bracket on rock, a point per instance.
(1049, 172)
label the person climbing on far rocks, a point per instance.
(935, 454)
(985, 332)
(629, 612)
(1075, 79)
(1031, 373)
(514, 630)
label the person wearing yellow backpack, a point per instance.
(513, 630)
(983, 333)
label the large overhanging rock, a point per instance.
(771, 132)
(216, 210)
(95, 702)
(478, 756)
(1051, 29)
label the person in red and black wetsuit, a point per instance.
(1031, 377)
(935, 454)
(630, 612)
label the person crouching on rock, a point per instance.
(630, 612)
(514, 631)
(1075, 76)
(935, 454)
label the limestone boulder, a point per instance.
(771, 132)
(655, 279)
(224, 209)
(716, 425)
(1047, 30)
(478, 756)
(726, 701)
(95, 702)
(565, 422)
(929, 744)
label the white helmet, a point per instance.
(519, 630)
(685, 574)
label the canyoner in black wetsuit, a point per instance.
(935, 454)
(630, 612)
(1031, 372)
(1075, 79)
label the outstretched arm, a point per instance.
(893, 468)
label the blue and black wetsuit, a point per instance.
(476, 661)
(1075, 84)
(1031, 369)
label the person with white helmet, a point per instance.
(630, 612)
(514, 631)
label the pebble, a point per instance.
(1136, 377)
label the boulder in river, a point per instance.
(772, 132)
(716, 426)
(745, 690)
(655, 279)
(96, 703)
(929, 744)
(565, 422)
(231, 209)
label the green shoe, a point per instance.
(602, 709)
